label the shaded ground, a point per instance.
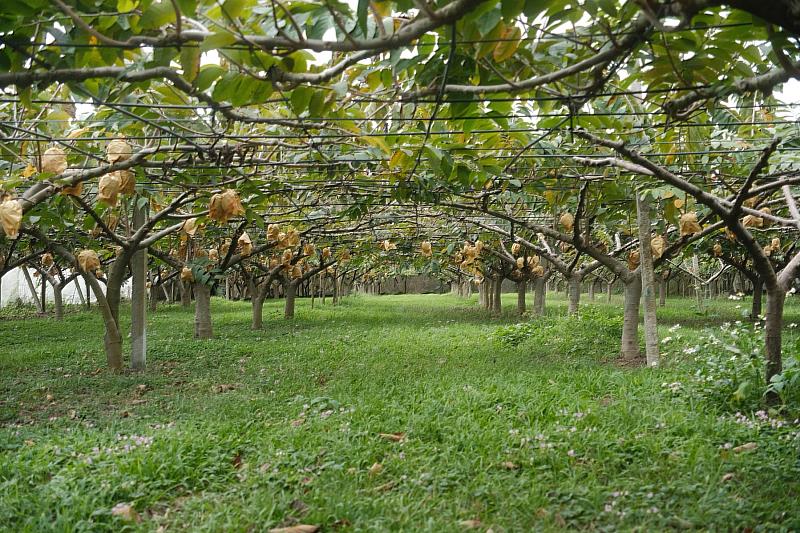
(254, 430)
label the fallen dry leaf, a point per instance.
(298, 422)
(394, 437)
(124, 414)
(299, 528)
(375, 469)
(237, 461)
(727, 477)
(386, 486)
(126, 512)
(299, 506)
(49, 398)
(745, 447)
(470, 524)
(508, 465)
(72, 414)
(224, 387)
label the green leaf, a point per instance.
(301, 96)
(361, 15)
(208, 74)
(157, 15)
(225, 87)
(322, 22)
(217, 40)
(233, 8)
(317, 104)
(509, 45)
(190, 62)
(123, 6)
(511, 8)
(534, 7)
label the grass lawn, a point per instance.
(385, 413)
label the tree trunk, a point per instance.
(609, 291)
(152, 303)
(335, 289)
(574, 291)
(591, 289)
(258, 305)
(662, 292)
(291, 291)
(58, 301)
(112, 340)
(648, 281)
(111, 302)
(772, 331)
(186, 294)
(112, 343)
(202, 312)
(697, 287)
(522, 286)
(88, 295)
(758, 289)
(497, 303)
(43, 298)
(79, 290)
(539, 294)
(630, 322)
(139, 298)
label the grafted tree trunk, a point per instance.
(574, 291)
(291, 293)
(630, 321)
(522, 286)
(202, 312)
(758, 289)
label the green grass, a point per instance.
(259, 429)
